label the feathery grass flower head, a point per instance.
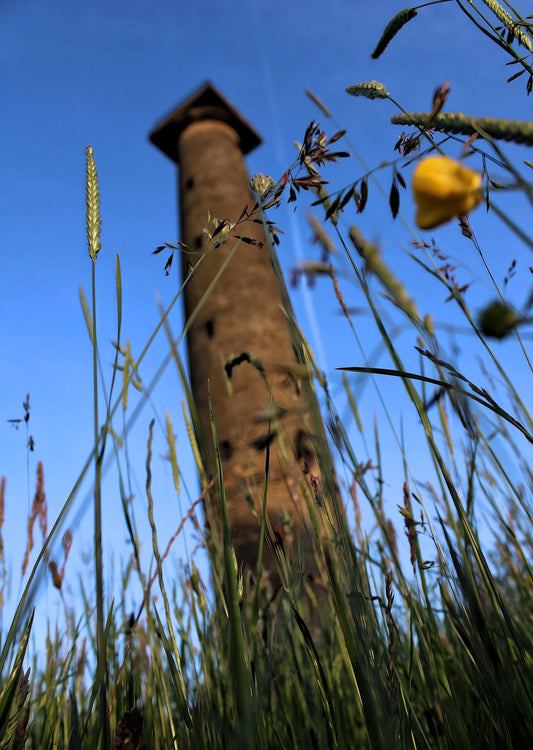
(443, 189)
(262, 185)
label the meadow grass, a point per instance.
(429, 650)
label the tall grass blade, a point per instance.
(240, 673)
(14, 693)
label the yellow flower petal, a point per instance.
(443, 189)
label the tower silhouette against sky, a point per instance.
(240, 344)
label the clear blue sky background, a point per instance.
(104, 73)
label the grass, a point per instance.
(429, 650)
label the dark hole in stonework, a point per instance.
(210, 328)
(190, 183)
(198, 242)
(226, 450)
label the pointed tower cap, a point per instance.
(206, 103)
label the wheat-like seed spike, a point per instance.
(519, 131)
(92, 194)
(507, 20)
(318, 103)
(173, 454)
(194, 446)
(369, 89)
(392, 28)
(375, 265)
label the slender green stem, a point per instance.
(98, 455)
(241, 679)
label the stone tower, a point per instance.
(239, 341)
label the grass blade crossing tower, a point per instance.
(240, 344)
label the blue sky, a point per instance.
(104, 73)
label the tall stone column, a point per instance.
(257, 397)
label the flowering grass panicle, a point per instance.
(92, 194)
(369, 90)
(509, 23)
(391, 29)
(498, 128)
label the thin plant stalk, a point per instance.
(93, 236)
(242, 692)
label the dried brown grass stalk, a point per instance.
(2, 499)
(391, 639)
(58, 575)
(39, 510)
(135, 619)
(410, 525)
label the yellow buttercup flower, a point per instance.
(443, 189)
